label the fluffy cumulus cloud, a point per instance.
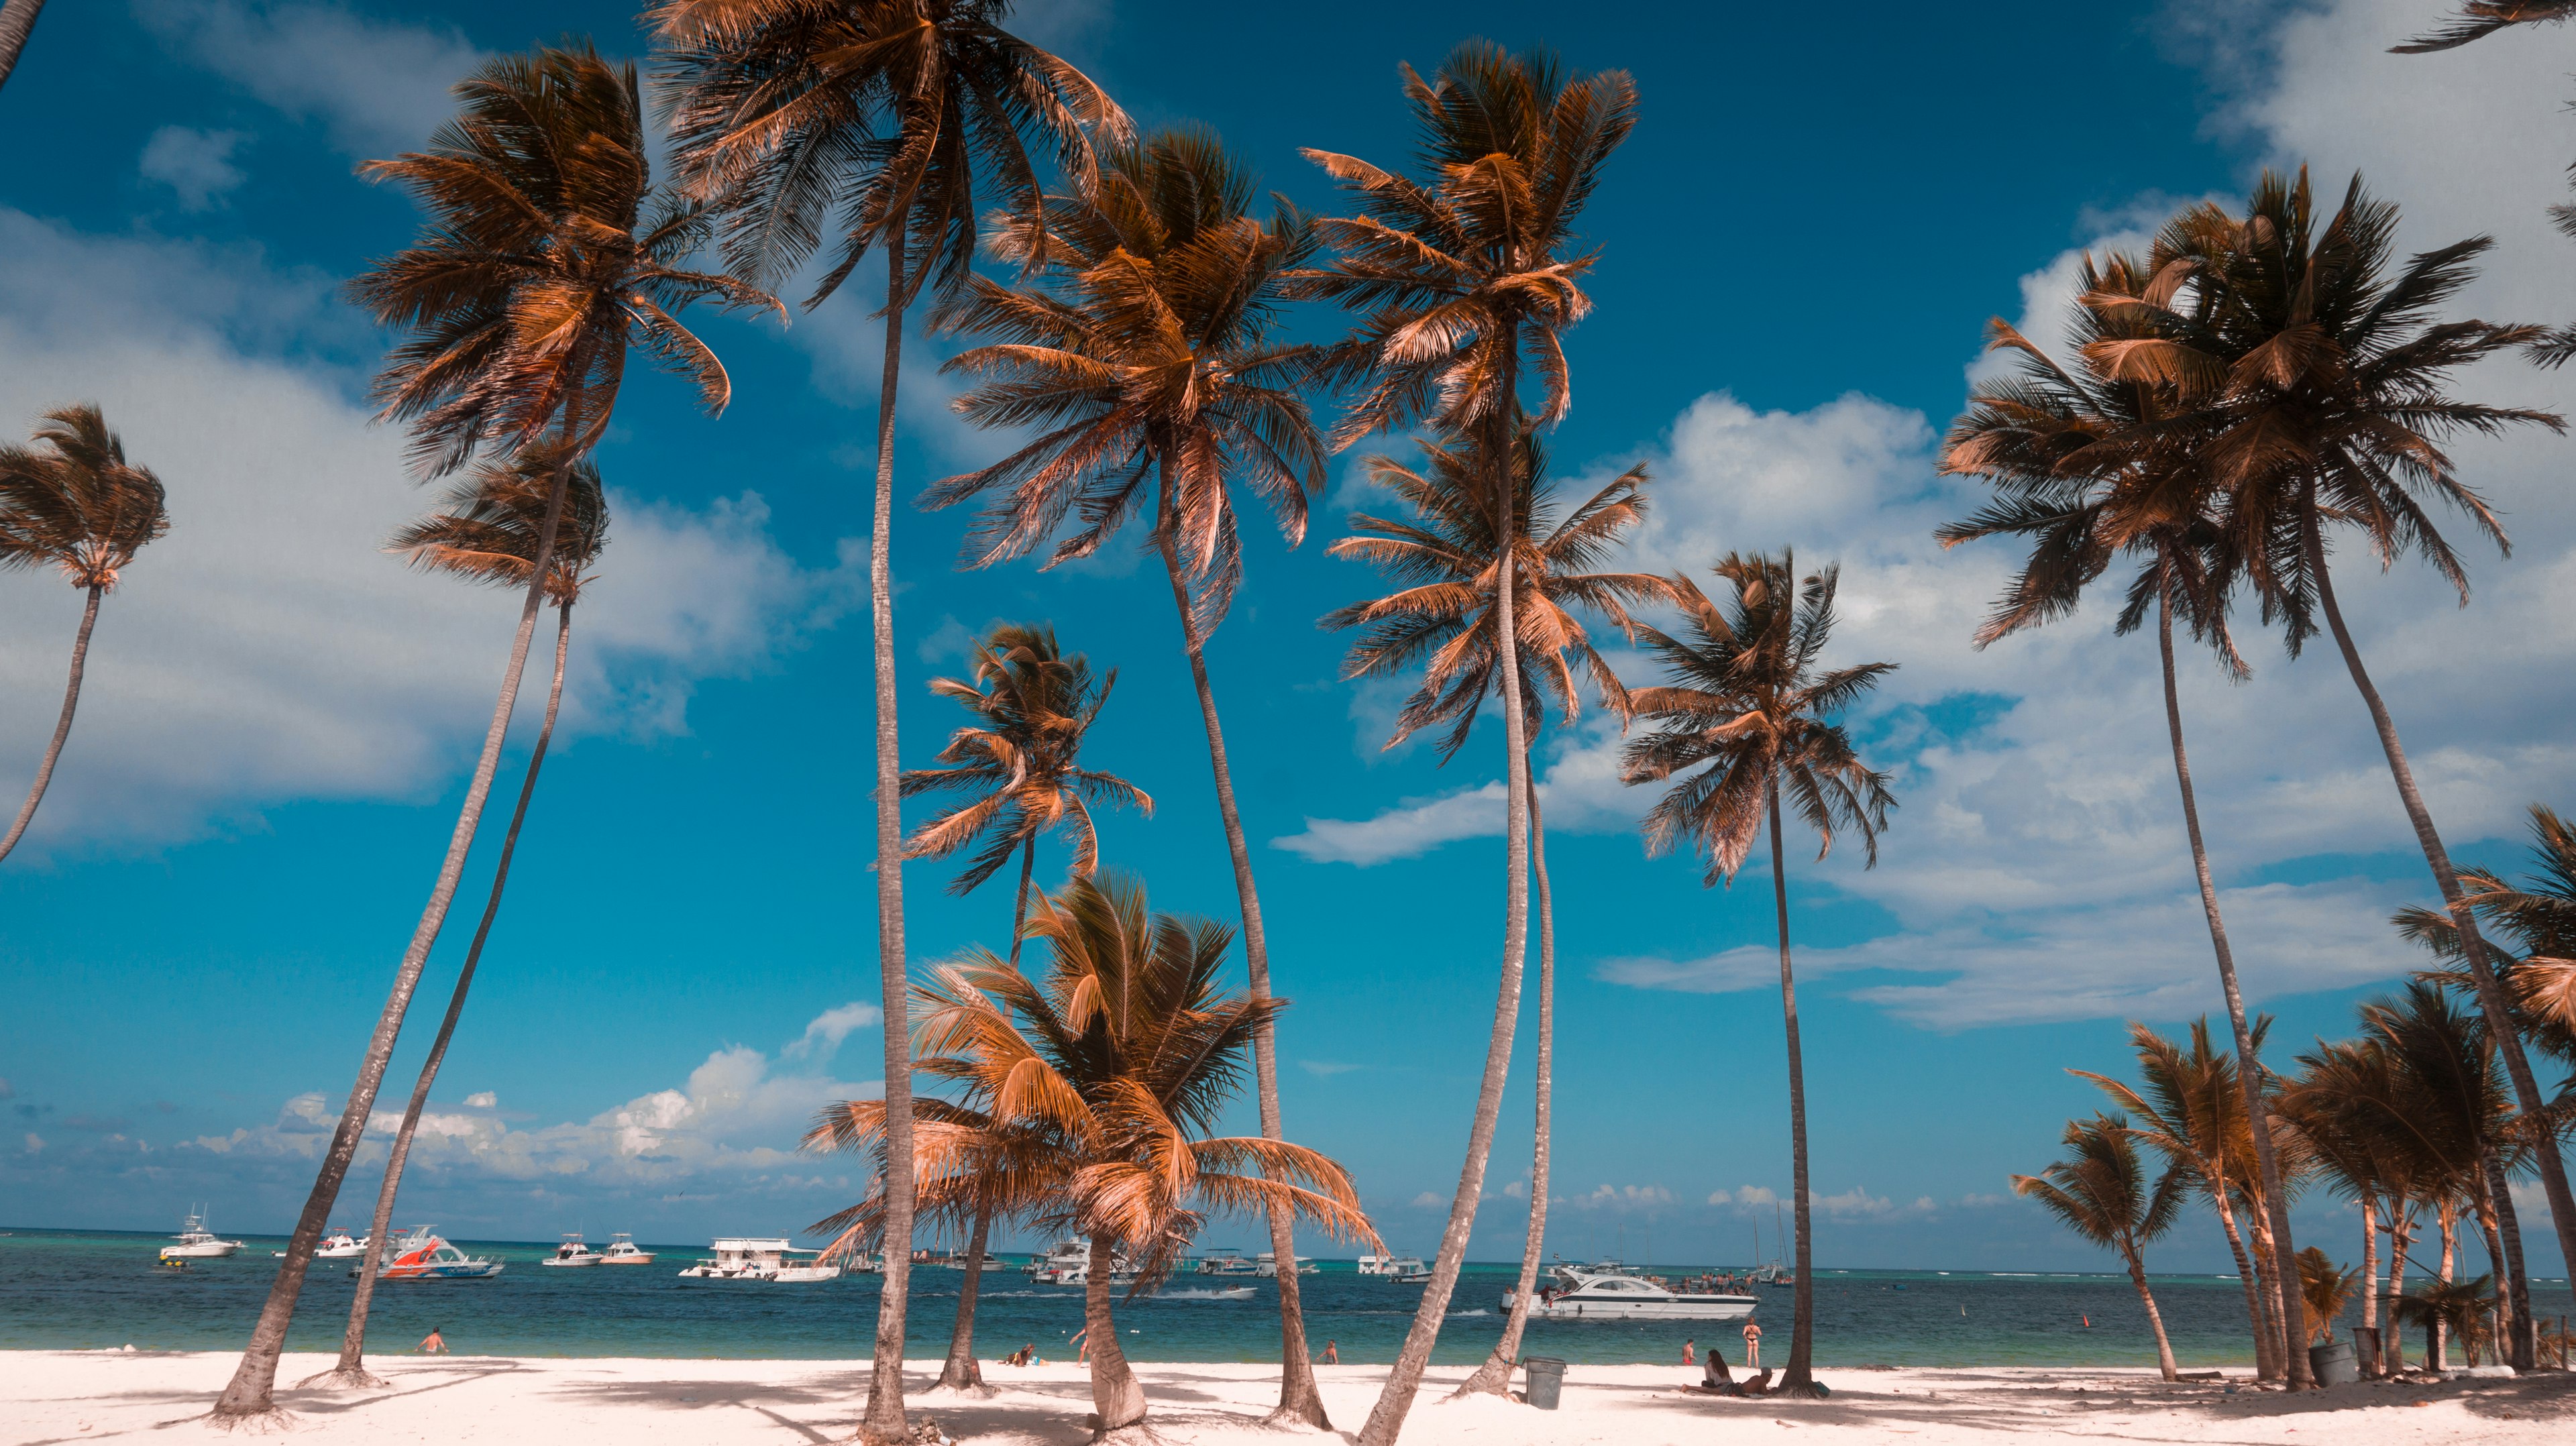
(266, 649)
(196, 165)
(376, 87)
(2035, 868)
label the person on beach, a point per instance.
(434, 1343)
(1713, 1374)
(1752, 1345)
(1686, 1350)
(1082, 1346)
(1332, 1353)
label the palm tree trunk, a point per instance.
(2505, 1314)
(1495, 1375)
(2267, 1279)
(1802, 1330)
(352, 1372)
(2520, 1347)
(2249, 1070)
(884, 1423)
(17, 17)
(2473, 949)
(2155, 1318)
(247, 1394)
(1386, 1418)
(1020, 905)
(1299, 1401)
(2265, 1368)
(71, 701)
(962, 1370)
(2392, 1353)
(2369, 1264)
(2439, 1357)
(1115, 1394)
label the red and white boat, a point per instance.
(421, 1255)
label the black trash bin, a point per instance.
(1546, 1377)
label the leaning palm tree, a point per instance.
(875, 119)
(2327, 400)
(1120, 1060)
(1023, 767)
(548, 257)
(2103, 1194)
(73, 503)
(1139, 344)
(2091, 463)
(17, 19)
(485, 532)
(1467, 278)
(2539, 917)
(1446, 554)
(1747, 714)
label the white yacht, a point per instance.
(338, 1246)
(1585, 1293)
(1266, 1265)
(767, 1258)
(1376, 1264)
(196, 1242)
(1064, 1253)
(1409, 1270)
(1227, 1262)
(573, 1251)
(622, 1250)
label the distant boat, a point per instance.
(422, 1255)
(1582, 1294)
(760, 1258)
(1266, 1265)
(622, 1250)
(338, 1246)
(573, 1252)
(1231, 1262)
(196, 1242)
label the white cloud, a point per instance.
(1516, 1190)
(1857, 1205)
(1749, 1197)
(483, 1100)
(1325, 1068)
(197, 165)
(266, 649)
(1624, 1198)
(1427, 1200)
(35, 1143)
(376, 86)
(826, 1031)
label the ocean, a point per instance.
(64, 1290)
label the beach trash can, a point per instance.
(1546, 1378)
(2334, 1364)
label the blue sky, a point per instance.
(1801, 245)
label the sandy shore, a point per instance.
(49, 1397)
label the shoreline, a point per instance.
(49, 1397)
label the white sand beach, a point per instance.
(49, 1397)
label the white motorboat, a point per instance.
(573, 1252)
(1227, 1262)
(1581, 1293)
(622, 1250)
(1376, 1264)
(338, 1246)
(422, 1255)
(1408, 1270)
(761, 1258)
(196, 1242)
(1266, 1265)
(1063, 1253)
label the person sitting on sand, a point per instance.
(434, 1343)
(1714, 1376)
(1760, 1385)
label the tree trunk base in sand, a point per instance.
(274, 1420)
(1134, 1433)
(969, 1391)
(344, 1378)
(1493, 1378)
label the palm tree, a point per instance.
(2326, 1288)
(486, 532)
(73, 503)
(2326, 381)
(1443, 620)
(1748, 713)
(873, 117)
(17, 18)
(2103, 1195)
(2192, 1112)
(2090, 463)
(2540, 918)
(2351, 1102)
(1466, 278)
(1038, 706)
(1139, 344)
(1120, 1060)
(549, 255)
(2478, 19)
(2444, 1308)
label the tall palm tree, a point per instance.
(2090, 463)
(485, 531)
(1466, 278)
(875, 119)
(2327, 379)
(2103, 1194)
(2351, 1101)
(2190, 1109)
(1121, 1058)
(1037, 706)
(1747, 713)
(549, 255)
(73, 503)
(17, 19)
(1446, 552)
(1139, 345)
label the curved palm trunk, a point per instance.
(1494, 1377)
(1115, 1394)
(1386, 1418)
(2155, 1318)
(2491, 1000)
(2264, 1366)
(256, 1377)
(2520, 1347)
(71, 700)
(2505, 1315)
(17, 18)
(1802, 1331)
(2401, 1234)
(962, 1371)
(2267, 1279)
(2249, 1070)
(352, 1370)
(1299, 1401)
(884, 1422)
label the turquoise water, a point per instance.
(79, 1290)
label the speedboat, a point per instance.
(1064, 1253)
(1228, 1262)
(573, 1252)
(1580, 1293)
(622, 1250)
(1266, 1265)
(1407, 1270)
(196, 1242)
(761, 1258)
(338, 1246)
(1376, 1264)
(421, 1255)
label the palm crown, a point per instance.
(487, 527)
(2190, 1107)
(2103, 1193)
(1748, 699)
(548, 254)
(72, 502)
(1447, 553)
(2539, 917)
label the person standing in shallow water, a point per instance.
(434, 1343)
(1752, 1345)
(1686, 1351)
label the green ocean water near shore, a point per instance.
(91, 1290)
